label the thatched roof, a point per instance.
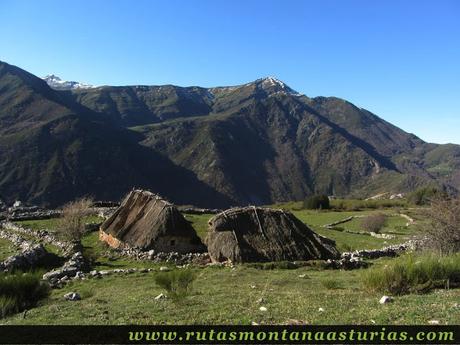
(143, 218)
(254, 234)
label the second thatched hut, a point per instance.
(255, 234)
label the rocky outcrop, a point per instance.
(74, 267)
(31, 257)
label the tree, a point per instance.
(317, 202)
(423, 196)
(443, 231)
(374, 222)
(72, 222)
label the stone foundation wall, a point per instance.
(165, 244)
(179, 244)
(110, 240)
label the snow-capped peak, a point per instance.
(275, 85)
(57, 83)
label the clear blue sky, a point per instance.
(398, 59)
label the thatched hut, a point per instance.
(146, 221)
(255, 234)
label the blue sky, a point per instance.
(398, 59)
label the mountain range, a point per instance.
(257, 143)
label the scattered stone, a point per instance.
(263, 309)
(75, 265)
(79, 275)
(385, 300)
(160, 296)
(434, 322)
(72, 296)
(30, 257)
(195, 210)
(320, 309)
(260, 300)
(294, 322)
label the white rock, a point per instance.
(79, 275)
(263, 309)
(72, 296)
(320, 309)
(160, 296)
(433, 322)
(252, 286)
(302, 275)
(164, 269)
(385, 299)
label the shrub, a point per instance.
(356, 205)
(177, 283)
(414, 274)
(20, 291)
(443, 230)
(72, 222)
(316, 202)
(423, 196)
(374, 222)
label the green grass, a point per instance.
(177, 283)
(52, 223)
(414, 273)
(19, 291)
(226, 296)
(42, 224)
(200, 223)
(347, 241)
(7, 249)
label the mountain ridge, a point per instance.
(259, 142)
